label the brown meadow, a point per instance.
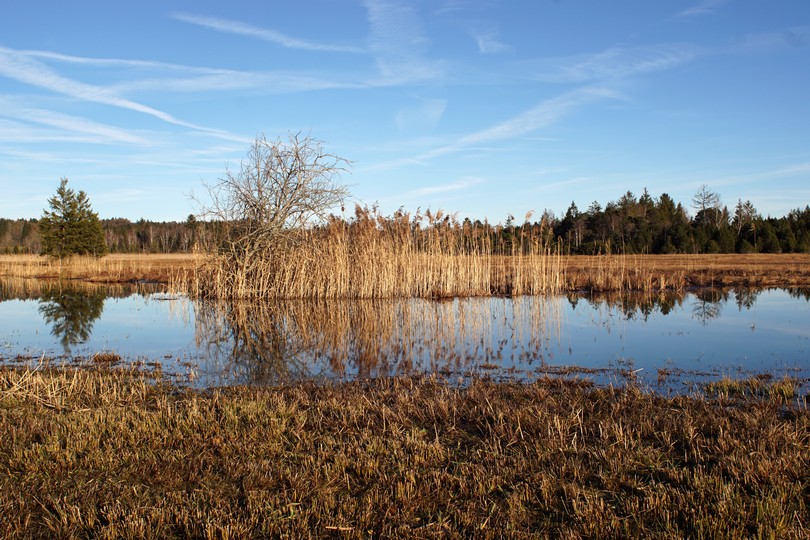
(108, 454)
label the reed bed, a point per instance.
(420, 256)
(620, 272)
(105, 454)
(376, 266)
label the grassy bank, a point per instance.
(107, 454)
(115, 268)
(492, 275)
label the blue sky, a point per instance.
(481, 107)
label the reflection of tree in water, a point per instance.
(640, 305)
(71, 313)
(636, 305)
(266, 342)
(263, 342)
(708, 304)
(799, 293)
(746, 298)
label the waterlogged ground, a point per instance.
(669, 342)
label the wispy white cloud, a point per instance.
(102, 133)
(398, 42)
(458, 185)
(490, 43)
(115, 62)
(23, 68)
(273, 36)
(20, 67)
(185, 78)
(432, 194)
(18, 133)
(422, 117)
(796, 36)
(541, 115)
(270, 83)
(800, 170)
(702, 8)
(612, 63)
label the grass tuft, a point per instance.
(763, 385)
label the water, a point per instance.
(669, 342)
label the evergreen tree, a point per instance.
(71, 227)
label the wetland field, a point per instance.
(655, 396)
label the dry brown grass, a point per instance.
(420, 256)
(446, 275)
(651, 272)
(28, 288)
(104, 454)
(116, 268)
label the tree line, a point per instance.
(630, 224)
(659, 225)
(120, 235)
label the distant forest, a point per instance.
(630, 224)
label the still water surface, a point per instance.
(669, 342)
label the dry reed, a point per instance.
(391, 258)
(424, 256)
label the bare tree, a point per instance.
(707, 206)
(280, 185)
(280, 189)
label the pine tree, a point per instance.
(71, 227)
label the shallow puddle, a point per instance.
(668, 342)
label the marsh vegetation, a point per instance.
(109, 454)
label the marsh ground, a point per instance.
(109, 454)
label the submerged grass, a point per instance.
(758, 386)
(104, 453)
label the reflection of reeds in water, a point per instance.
(261, 341)
(278, 340)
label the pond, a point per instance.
(669, 342)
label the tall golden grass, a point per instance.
(423, 256)
(419, 256)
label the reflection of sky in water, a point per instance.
(135, 326)
(773, 334)
(478, 335)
